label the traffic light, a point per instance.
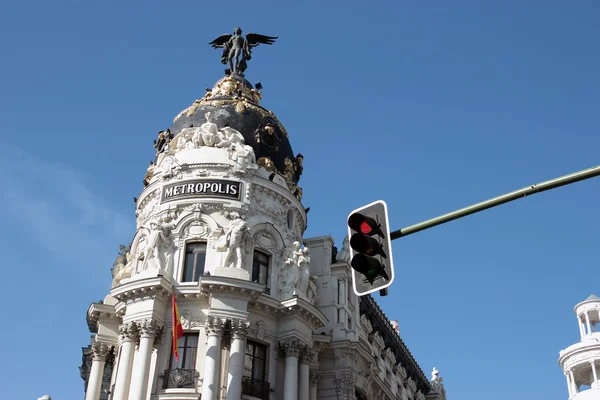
(370, 248)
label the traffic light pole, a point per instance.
(496, 201)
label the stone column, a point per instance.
(594, 374)
(581, 327)
(306, 357)
(587, 323)
(100, 352)
(314, 383)
(569, 384)
(239, 330)
(212, 359)
(128, 337)
(291, 348)
(573, 384)
(148, 331)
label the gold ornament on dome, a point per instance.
(267, 163)
(240, 107)
(193, 108)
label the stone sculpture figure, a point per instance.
(304, 269)
(122, 270)
(235, 240)
(344, 254)
(296, 271)
(435, 376)
(229, 137)
(237, 50)
(159, 249)
(209, 132)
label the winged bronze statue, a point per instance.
(237, 50)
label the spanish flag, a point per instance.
(176, 325)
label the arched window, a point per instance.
(195, 257)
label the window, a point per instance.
(187, 347)
(349, 321)
(195, 256)
(260, 267)
(255, 360)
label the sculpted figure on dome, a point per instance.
(344, 254)
(237, 50)
(298, 168)
(435, 376)
(234, 237)
(149, 173)
(164, 138)
(229, 137)
(159, 250)
(209, 132)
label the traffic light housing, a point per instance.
(370, 248)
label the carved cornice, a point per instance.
(299, 307)
(101, 313)
(392, 339)
(157, 288)
(220, 286)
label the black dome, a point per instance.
(233, 102)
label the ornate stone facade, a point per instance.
(220, 226)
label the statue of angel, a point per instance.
(237, 50)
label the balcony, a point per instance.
(180, 378)
(255, 388)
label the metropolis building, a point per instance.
(266, 313)
(581, 361)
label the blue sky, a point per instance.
(430, 106)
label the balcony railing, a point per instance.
(255, 388)
(180, 378)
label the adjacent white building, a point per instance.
(581, 361)
(267, 313)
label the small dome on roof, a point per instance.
(592, 297)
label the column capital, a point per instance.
(239, 328)
(314, 377)
(214, 326)
(149, 328)
(100, 351)
(129, 332)
(306, 354)
(291, 347)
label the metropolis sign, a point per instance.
(201, 188)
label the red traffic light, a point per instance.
(366, 225)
